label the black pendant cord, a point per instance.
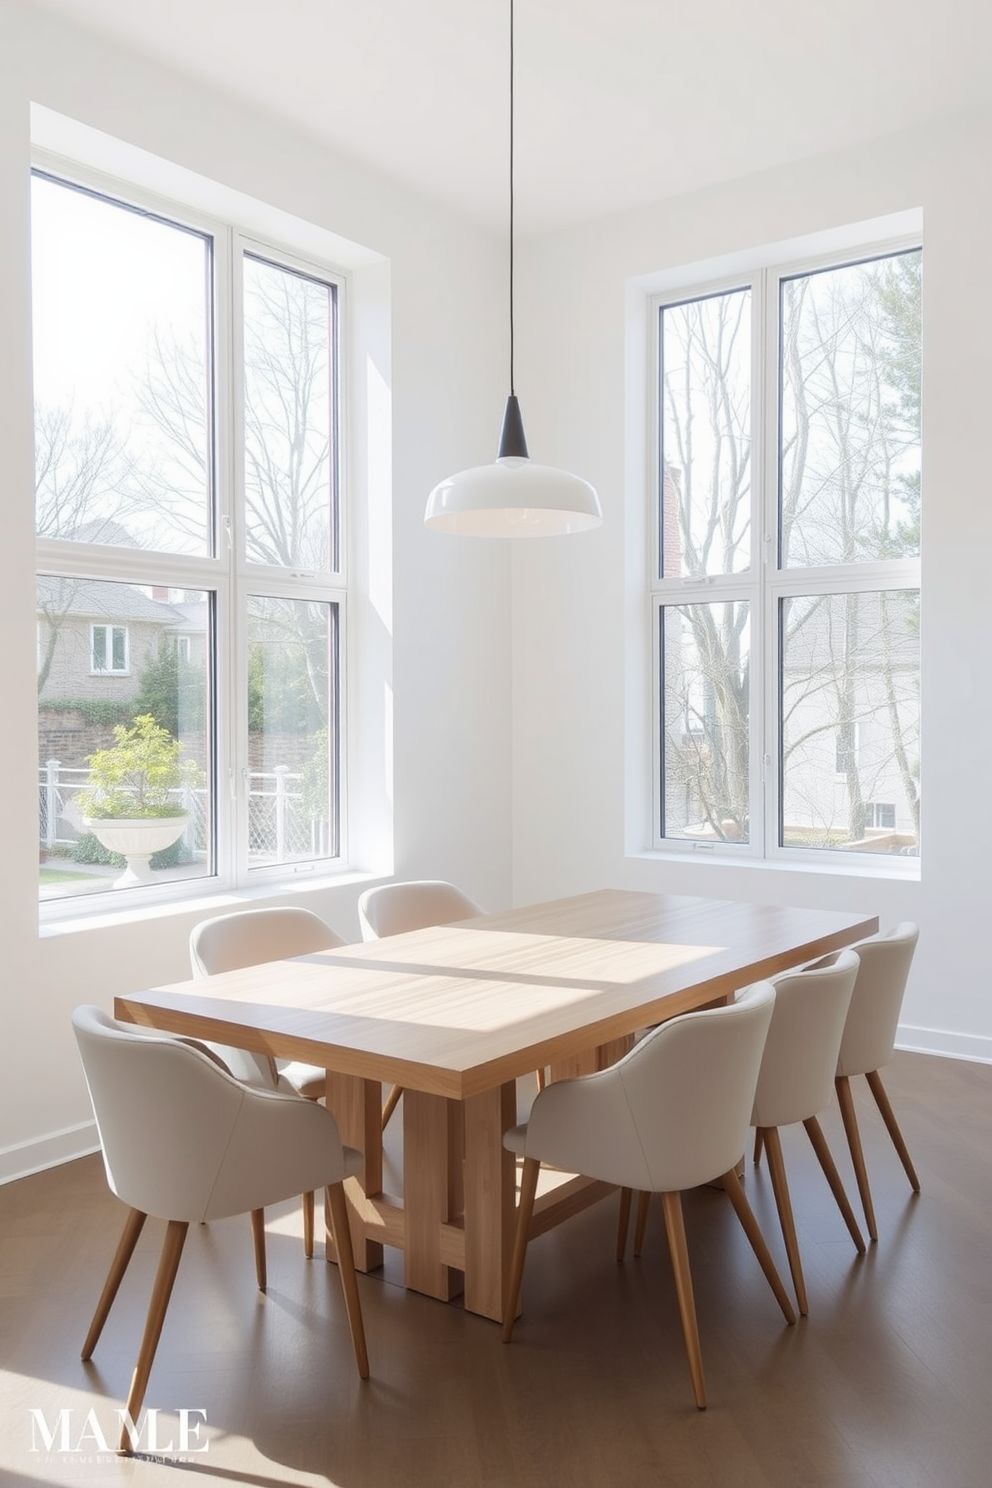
(512, 388)
(512, 440)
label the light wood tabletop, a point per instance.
(455, 1014)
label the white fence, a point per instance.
(280, 828)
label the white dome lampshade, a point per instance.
(513, 497)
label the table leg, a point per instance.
(490, 1199)
(357, 1108)
(433, 1142)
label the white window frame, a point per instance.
(108, 643)
(224, 573)
(764, 585)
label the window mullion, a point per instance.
(765, 715)
(233, 706)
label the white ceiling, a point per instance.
(619, 102)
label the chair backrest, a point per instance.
(183, 1139)
(873, 1019)
(393, 909)
(796, 1079)
(252, 936)
(673, 1113)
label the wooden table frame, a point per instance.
(456, 1015)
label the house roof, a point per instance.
(193, 615)
(102, 599)
(104, 530)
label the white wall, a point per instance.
(580, 611)
(434, 698)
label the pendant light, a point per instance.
(513, 497)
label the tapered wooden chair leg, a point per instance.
(849, 1116)
(525, 1211)
(783, 1202)
(172, 1249)
(390, 1104)
(675, 1229)
(308, 1226)
(892, 1126)
(758, 1144)
(819, 1141)
(258, 1240)
(125, 1250)
(623, 1222)
(749, 1225)
(341, 1232)
(641, 1224)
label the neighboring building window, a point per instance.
(787, 581)
(187, 407)
(108, 648)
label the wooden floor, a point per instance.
(887, 1384)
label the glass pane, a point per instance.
(851, 721)
(851, 379)
(120, 649)
(289, 417)
(124, 747)
(99, 648)
(121, 373)
(705, 766)
(706, 436)
(292, 731)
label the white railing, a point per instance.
(279, 826)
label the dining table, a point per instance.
(456, 1015)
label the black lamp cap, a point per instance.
(512, 440)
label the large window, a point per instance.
(190, 593)
(786, 590)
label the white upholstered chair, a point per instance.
(395, 908)
(795, 1083)
(673, 1113)
(868, 1041)
(248, 938)
(184, 1141)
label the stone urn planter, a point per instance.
(136, 838)
(137, 788)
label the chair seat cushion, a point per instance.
(354, 1161)
(306, 1079)
(515, 1140)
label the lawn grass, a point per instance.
(58, 875)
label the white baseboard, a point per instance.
(59, 1147)
(949, 1045)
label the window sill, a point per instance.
(202, 904)
(904, 870)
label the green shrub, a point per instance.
(102, 712)
(137, 776)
